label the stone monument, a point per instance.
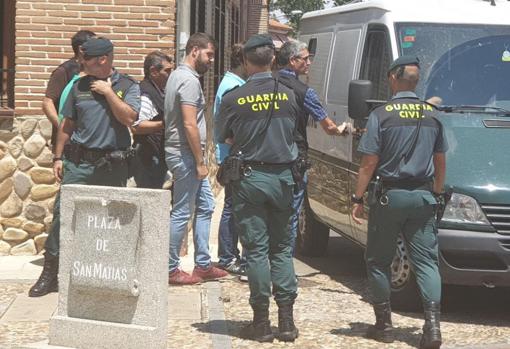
(113, 276)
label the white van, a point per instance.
(464, 49)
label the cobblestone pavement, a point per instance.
(331, 311)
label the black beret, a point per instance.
(258, 40)
(95, 47)
(404, 60)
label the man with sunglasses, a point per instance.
(295, 60)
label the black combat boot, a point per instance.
(260, 328)
(431, 338)
(382, 331)
(48, 281)
(288, 332)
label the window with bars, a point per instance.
(7, 11)
(197, 23)
(235, 25)
(219, 34)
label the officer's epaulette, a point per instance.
(126, 76)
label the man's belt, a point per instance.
(407, 184)
(263, 163)
(77, 153)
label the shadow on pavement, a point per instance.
(39, 262)
(345, 263)
(402, 334)
(222, 327)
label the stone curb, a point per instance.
(219, 331)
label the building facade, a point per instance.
(36, 39)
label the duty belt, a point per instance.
(263, 163)
(407, 184)
(77, 153)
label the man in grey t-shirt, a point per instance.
(185, 137)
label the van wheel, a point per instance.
(404, 291)
(312, 235)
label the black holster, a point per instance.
(375, 191)
(299, 168)
(231, 169)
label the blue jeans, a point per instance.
(297, 205)
(190, 194)
(228, 237)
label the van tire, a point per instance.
(312, 235)
(404, 290)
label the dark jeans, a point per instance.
(88, 174)
(228, 236)
(150, 175)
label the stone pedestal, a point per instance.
(113, 277)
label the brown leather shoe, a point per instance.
(210, 273)
(179, 277)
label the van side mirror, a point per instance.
(360, 91)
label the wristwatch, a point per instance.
(356, 200)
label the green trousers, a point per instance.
(410, 213)
(84, 173)
(262, 207)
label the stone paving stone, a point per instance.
(25, 308)
(185, 303)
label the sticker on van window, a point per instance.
(410, 31)
(407, 44)
(506, 56)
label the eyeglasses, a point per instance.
(307, 58)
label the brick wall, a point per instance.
(42, 42)
(258, 17)
(44, 29)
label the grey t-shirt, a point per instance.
(183, 87)
(95, 125)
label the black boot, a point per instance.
(288, 332)
(48, 281)
(382, 331)
(431, 338)
(260, 328)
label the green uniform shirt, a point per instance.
(243, 114)
(391, 131)
(95, 125)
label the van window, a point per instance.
(342, 65)
(321, 49)
(376, 60)
(312, 46)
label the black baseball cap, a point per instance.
(258, 40)
(95, 47)
(403, 61)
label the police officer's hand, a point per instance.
(358, 213)
(102, 87)
(202, 171)
(57, 169)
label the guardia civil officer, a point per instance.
(404, 146)
(98, 111)
(260, 118)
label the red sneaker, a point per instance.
(210, 273)
(179, 277)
